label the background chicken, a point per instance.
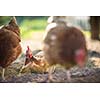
(34, 62)
(10, 48)
(29, 57)
(65, 46)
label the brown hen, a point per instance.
(10, 47)
(65, 46)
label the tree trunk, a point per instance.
(95, 27)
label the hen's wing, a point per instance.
(9, 38)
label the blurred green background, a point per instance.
(33, 27)
(29, 25)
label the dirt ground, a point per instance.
(89, 74)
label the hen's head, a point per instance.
(80, 57)
(13, 26)
(29, 53)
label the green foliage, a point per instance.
(87, 33)
(4, 19)
(28, 27)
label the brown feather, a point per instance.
(10, 47)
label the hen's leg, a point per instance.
(3, 73)
(68, 74)
(50, 72)
(23, 67)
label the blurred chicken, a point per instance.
(10, 48)
(65, 46)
